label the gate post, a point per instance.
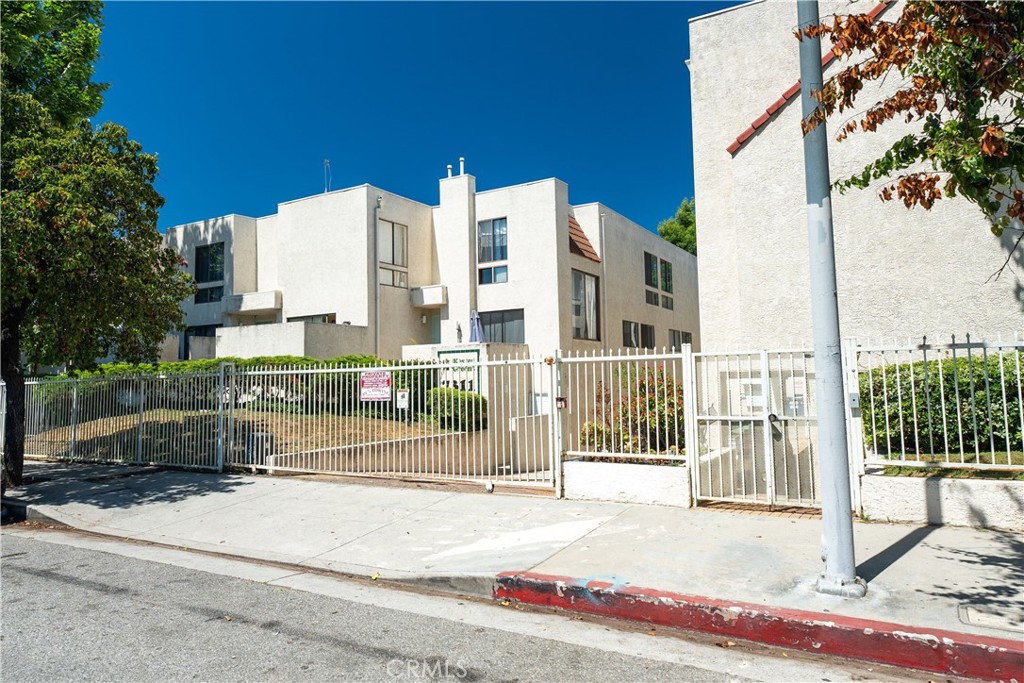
(220, 418)
(74, 416)
(690, 421)
(554, 405)
(854, 422)
(142, 419)
(766, 418)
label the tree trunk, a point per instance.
(14, 415)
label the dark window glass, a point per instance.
(495, 275)
(630, 334)
(647, 336)
(666, 302)
(584, 306)
(652, 297)
(677, 338)
(209, 295)
(210, 263)
(651, 270)
(504, 326)
(666, 277)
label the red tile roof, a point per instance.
(789, 94)
(578, 242)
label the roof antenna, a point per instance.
(327, 175)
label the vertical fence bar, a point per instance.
(220, 418)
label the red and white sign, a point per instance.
(375, 385)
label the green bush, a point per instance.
(891, 395)
(462, 411)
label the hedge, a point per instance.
(455, 409)
(911, 387)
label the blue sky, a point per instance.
(243, 101)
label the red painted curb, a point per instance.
(877, 641)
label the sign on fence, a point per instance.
(402, 399)
(375, 385)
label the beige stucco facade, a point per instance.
(314, 260)
(902, 273)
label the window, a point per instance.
(323, 318)
(666, 277)
(494, 275)
(652, 297)
(394, 278)
(647, 336)
(393, 250)
(651, 270)
(210, 295)
(676, 339)
(210, 263)
(630, 334)
(504, 326)
(493, 240)
(666, 302)
(584, 306)
(492, 245)
(393, 243)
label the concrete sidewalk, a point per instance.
(926, 584)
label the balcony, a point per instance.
(252, 303)
(431, 296)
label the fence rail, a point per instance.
(745, 422)
(947, 404)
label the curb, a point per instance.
(934, 650)
(19, 511)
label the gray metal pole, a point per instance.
(376, 275)
(840, 576)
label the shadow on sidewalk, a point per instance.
(117, 486)
(870, 569)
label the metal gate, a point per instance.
(755, 428)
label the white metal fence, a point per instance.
(478, 420)
(953, 403)
(744, 422)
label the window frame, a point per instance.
(650, 270)
(666, 276)
(581, 332)
(207, 294)
(203, 254)
(645, 331)
(630, 334)
(493, 246)
(487, 322)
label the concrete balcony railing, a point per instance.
(430, 296)
(253, 302)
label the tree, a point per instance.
(85, 273)
(959, 66)
(681, 229)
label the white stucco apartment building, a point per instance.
(901, 273)
(539, 271)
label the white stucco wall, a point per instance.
(988, 503)
(626, 298)
(185, 238)
(293, 339)
(901, 273)
(536, 245)
(627, 483)
(317, 253)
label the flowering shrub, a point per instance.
(643, 415)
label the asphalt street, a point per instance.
(80, 609)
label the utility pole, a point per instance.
(840, 576)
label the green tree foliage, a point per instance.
(85, 272)
(959, 66)
(681, 229)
